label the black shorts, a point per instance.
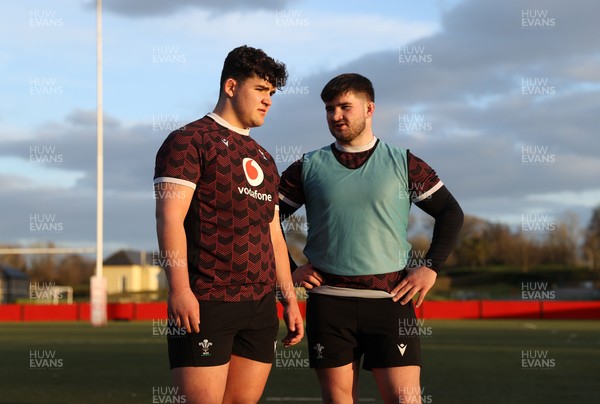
(341, 330)
(247, 329)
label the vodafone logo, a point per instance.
(254, 174)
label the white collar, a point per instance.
(356, 149)
(223, 122)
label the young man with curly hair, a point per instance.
(218, 229)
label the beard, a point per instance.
(351, 132)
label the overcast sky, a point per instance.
(501, 98)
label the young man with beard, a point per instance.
(219, 233)
(358, 192)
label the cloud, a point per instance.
(305, 45)
(70, 146)
(71, 208)
(475, 85)
(68, 216)
(145, 8)
(467, 90)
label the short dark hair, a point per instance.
(348, 82)
(244, 62)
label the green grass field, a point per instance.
(478, 361)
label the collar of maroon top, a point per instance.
(356, 149)
(353, 157)
(223, 122)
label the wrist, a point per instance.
(289, 303)
(287, 297)
(177, 290)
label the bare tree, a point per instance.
(591, 246)
(75, 270)
(560, 244)
(16, 261)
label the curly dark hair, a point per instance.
(244, 62)
(348, 82)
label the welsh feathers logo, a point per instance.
(254, 174)
(205, 345)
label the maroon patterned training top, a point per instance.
(230, 256)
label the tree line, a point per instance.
(559, 243)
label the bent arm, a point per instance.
(291, 196)
(449, 218)
(285, 211)
(448, 222)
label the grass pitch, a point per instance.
(478, 361)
